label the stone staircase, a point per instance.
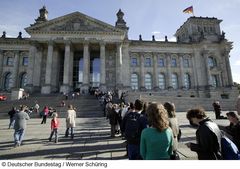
(87, 106)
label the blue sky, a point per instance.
(145, 17)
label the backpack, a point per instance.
(133, 128)
(229, 149)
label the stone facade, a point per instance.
(77, 51)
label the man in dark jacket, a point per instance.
(11, 114)
(208, 136)
(133, 130)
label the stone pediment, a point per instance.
(75, 22)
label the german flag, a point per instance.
(188, 10)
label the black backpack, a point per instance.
(133, 128)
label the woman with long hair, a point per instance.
(157, 140)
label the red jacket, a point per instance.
(54, 123)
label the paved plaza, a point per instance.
(92, 141)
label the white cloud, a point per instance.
(237, 63)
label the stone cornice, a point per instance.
(71, 16)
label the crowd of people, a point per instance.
(151, 129)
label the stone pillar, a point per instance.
(31, 68)
(228, 67)
(155, 72)
(15, 69)
(181, 72)
(119, 66)
(194, 76)
(142, 74)
(208, 74)
(103, 69)
(1, 69)
(46, 89)
(37, 69)
(66, 74)
(86, 67)
(169, 72)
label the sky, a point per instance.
(146, 17)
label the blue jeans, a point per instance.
(134, 152)
(54, 131)
(67, 132)
(18, 136)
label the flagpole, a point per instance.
(193, 11)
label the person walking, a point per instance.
(157, 140)
(11, 114)
(20, 125)
(54, 127)
(70, 121)
(208, 136)
(36, 107)
(45, 114)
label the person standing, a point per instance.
(157, 140)
(11, 114)
(234, 128)
(54, 127)
(70, 121)
(173, 123)
(36, 107)
(132, 126)
(45, 114)
(238, 105)
(20, 125)
(208, 136)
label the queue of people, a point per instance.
(151, 130)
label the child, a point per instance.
(54, 127)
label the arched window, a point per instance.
(8, 81)
(187, 81)
(161, 81)
(148, 81)
(212, 62)
(174, 81)
(23, 80)
(134, 81)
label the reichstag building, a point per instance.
(78, 51)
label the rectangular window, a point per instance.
(174, 62)
(25, 61)
(10, 61)
(148, 62)
(161, 62)
(186, 63)
(134, 62)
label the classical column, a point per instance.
(194, 72)
(208, 74)
(31, 68)
(119, 66)
(228, 67)
(15, 69)
(37, 68)
(169, 71)
(103, 69)
(1, 68)
(181, 72)
(86, 67)
(142, 74)
(46, 89)
(155, 72)
(66, 70)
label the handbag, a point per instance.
(175, 156)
